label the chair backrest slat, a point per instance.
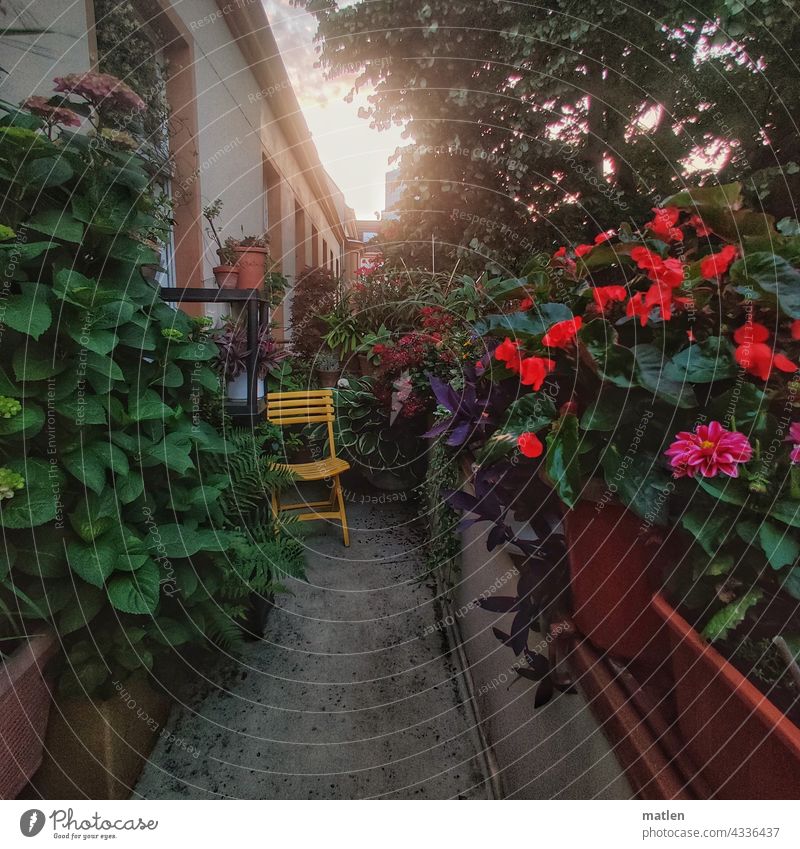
(303, 407)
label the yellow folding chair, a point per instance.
(311, 407)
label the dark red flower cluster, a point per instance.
(436, 319)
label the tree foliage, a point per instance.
(528, 122)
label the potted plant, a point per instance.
(368, 360)
(676, 392)
(226, 273)
(327, 369)
(251, 254)
(233, 353)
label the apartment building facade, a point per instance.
(235, 128)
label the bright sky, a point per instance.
(353, 154)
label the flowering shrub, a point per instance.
(664, 361)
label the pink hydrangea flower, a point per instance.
(709, 451)
(53, 114)
(100, 89)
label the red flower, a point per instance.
(750, 332)
(530, 444)
(665, 272)
(699, 225)
(637, 307)
(534, 370)
(525, 304)
(562, 333)
(561, 252)
(582, 250)
(508, 352)
(660, 296)
(663, 224)
(759, 359)
(796, 329)
(717, 264)
(604, 237)
(604, 295)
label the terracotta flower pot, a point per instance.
(744, 746)
(610, 576)
(226, 276)
(252, 266)
(24, 709)
(328, 379)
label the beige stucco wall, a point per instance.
(33, 61)
(236, 125)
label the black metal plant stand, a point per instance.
(256, 308)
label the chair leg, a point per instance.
(342, 512)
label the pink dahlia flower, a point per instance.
(794, 436)
(709, 451)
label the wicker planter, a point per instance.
(610, 577)
(744, 746)
(96, 749)
(24, 708)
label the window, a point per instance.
(314, 246)
(324, 252)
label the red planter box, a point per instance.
(744, 746)
(610, 568)
(24, 709)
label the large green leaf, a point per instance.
(183, 541)
(28, 312)
(704, 362)
(29, 421)
(651, 375)
(728, 196)
(773, 275)
(58, 223)
(37, 502)
(86, 466)
(147, 404)
(638, 481)
(45, 172)
(93, 561)
(613, 362)
(533, 323)
(780, 544)
(88, 602)
(136, 592)
(35, 361)
(562, 462)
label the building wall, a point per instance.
(236, 131)
(64, 50)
